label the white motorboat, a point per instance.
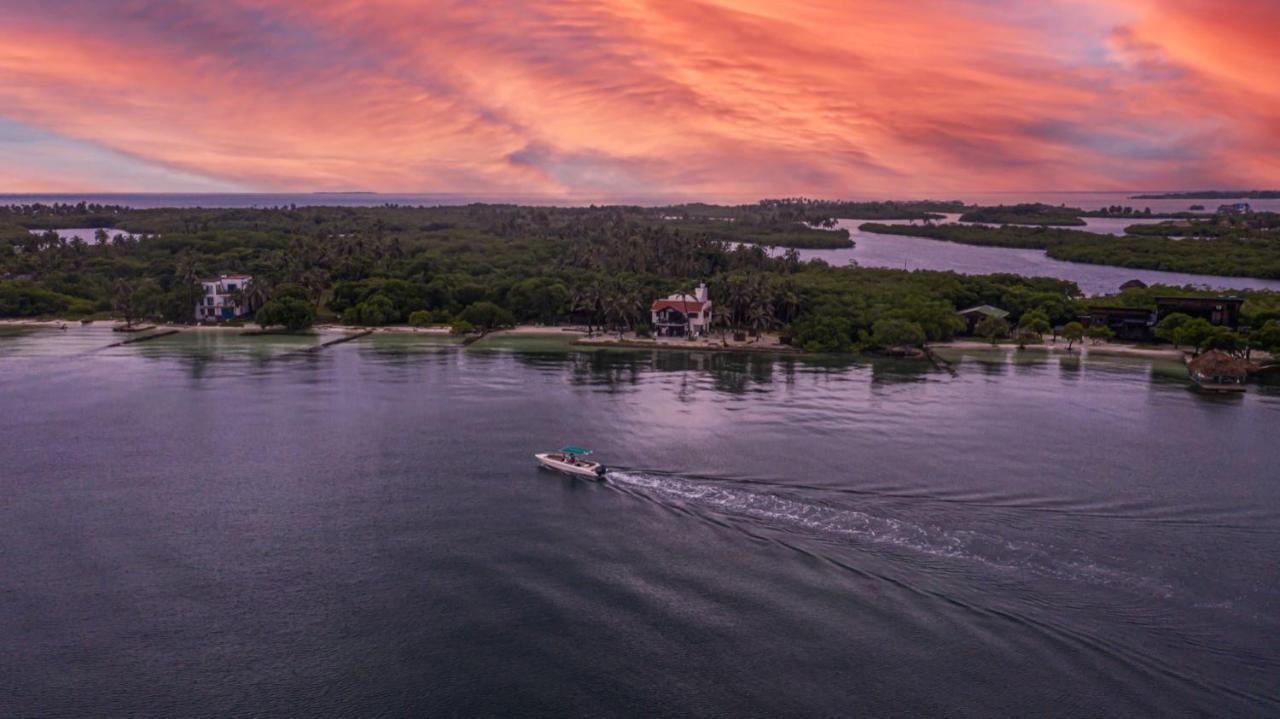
(572, 461)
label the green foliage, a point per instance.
(1170, 328)
(1026, 214)
(991, 328)
(289, 311)
(1072, 332)
(1025, 336)
(1267, 338)
(897, 333)
(422, 318)
(486, 316)
(823, 334)
(642, 330)
(1035, 322)
(542, 299)
(290, 290)
(461, 327)
(1194, 331)
(374, 311)
(597, 265)
(1223, 340)
(26, 299)
(1099, 333)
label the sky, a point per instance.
(574, 98)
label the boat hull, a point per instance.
(577, 468)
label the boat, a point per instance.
(572, 461)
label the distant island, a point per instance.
(1213, 195)
(1025, 214)
(476, 268)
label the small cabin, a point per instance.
(974, 315)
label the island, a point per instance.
(639, 273)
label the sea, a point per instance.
(217, 525)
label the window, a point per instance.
(208, 301)
(231, 286)
(693, 315)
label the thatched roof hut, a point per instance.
(1218, 368)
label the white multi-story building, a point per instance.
(220, 298)
(682, 314)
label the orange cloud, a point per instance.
(715, 98)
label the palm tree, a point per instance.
(257, 293)
(759, 317)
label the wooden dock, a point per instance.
(340, 340)
(144, 338)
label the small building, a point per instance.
(1235, 208)
(1220, 311)
(223, 298)
(1128, 323)
(1133, 285)
(1218, 371)
(974, 315)
(681, 314)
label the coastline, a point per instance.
(767, 344)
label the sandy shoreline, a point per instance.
(1080, 349)
(767, 345)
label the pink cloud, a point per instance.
(707, 97)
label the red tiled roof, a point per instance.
(683, 306)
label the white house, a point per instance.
(219, 301)
(680, 314)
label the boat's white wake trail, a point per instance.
(844, 525)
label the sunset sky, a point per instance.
(712, 98)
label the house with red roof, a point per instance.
(682, 314)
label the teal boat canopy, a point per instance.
(575, 450)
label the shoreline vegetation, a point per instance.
(1237, 250)
(766, 344)
(478, 269)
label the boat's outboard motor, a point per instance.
(600, 471)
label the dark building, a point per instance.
(975, 315)
(1128, 323)
(1221, 311)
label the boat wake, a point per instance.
(832, 523)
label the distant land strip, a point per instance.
(1213, 195)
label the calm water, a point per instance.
(211, 526)
(919, 253)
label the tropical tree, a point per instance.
(897, 333)
(1170, 328)
(823, 333)
(1072, 332)
(1099, 333)
(293, 313)
(135, 298)
(991, 328)
(1035, 322)
(1195, 332)
(486, 315)
(1267, 338)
